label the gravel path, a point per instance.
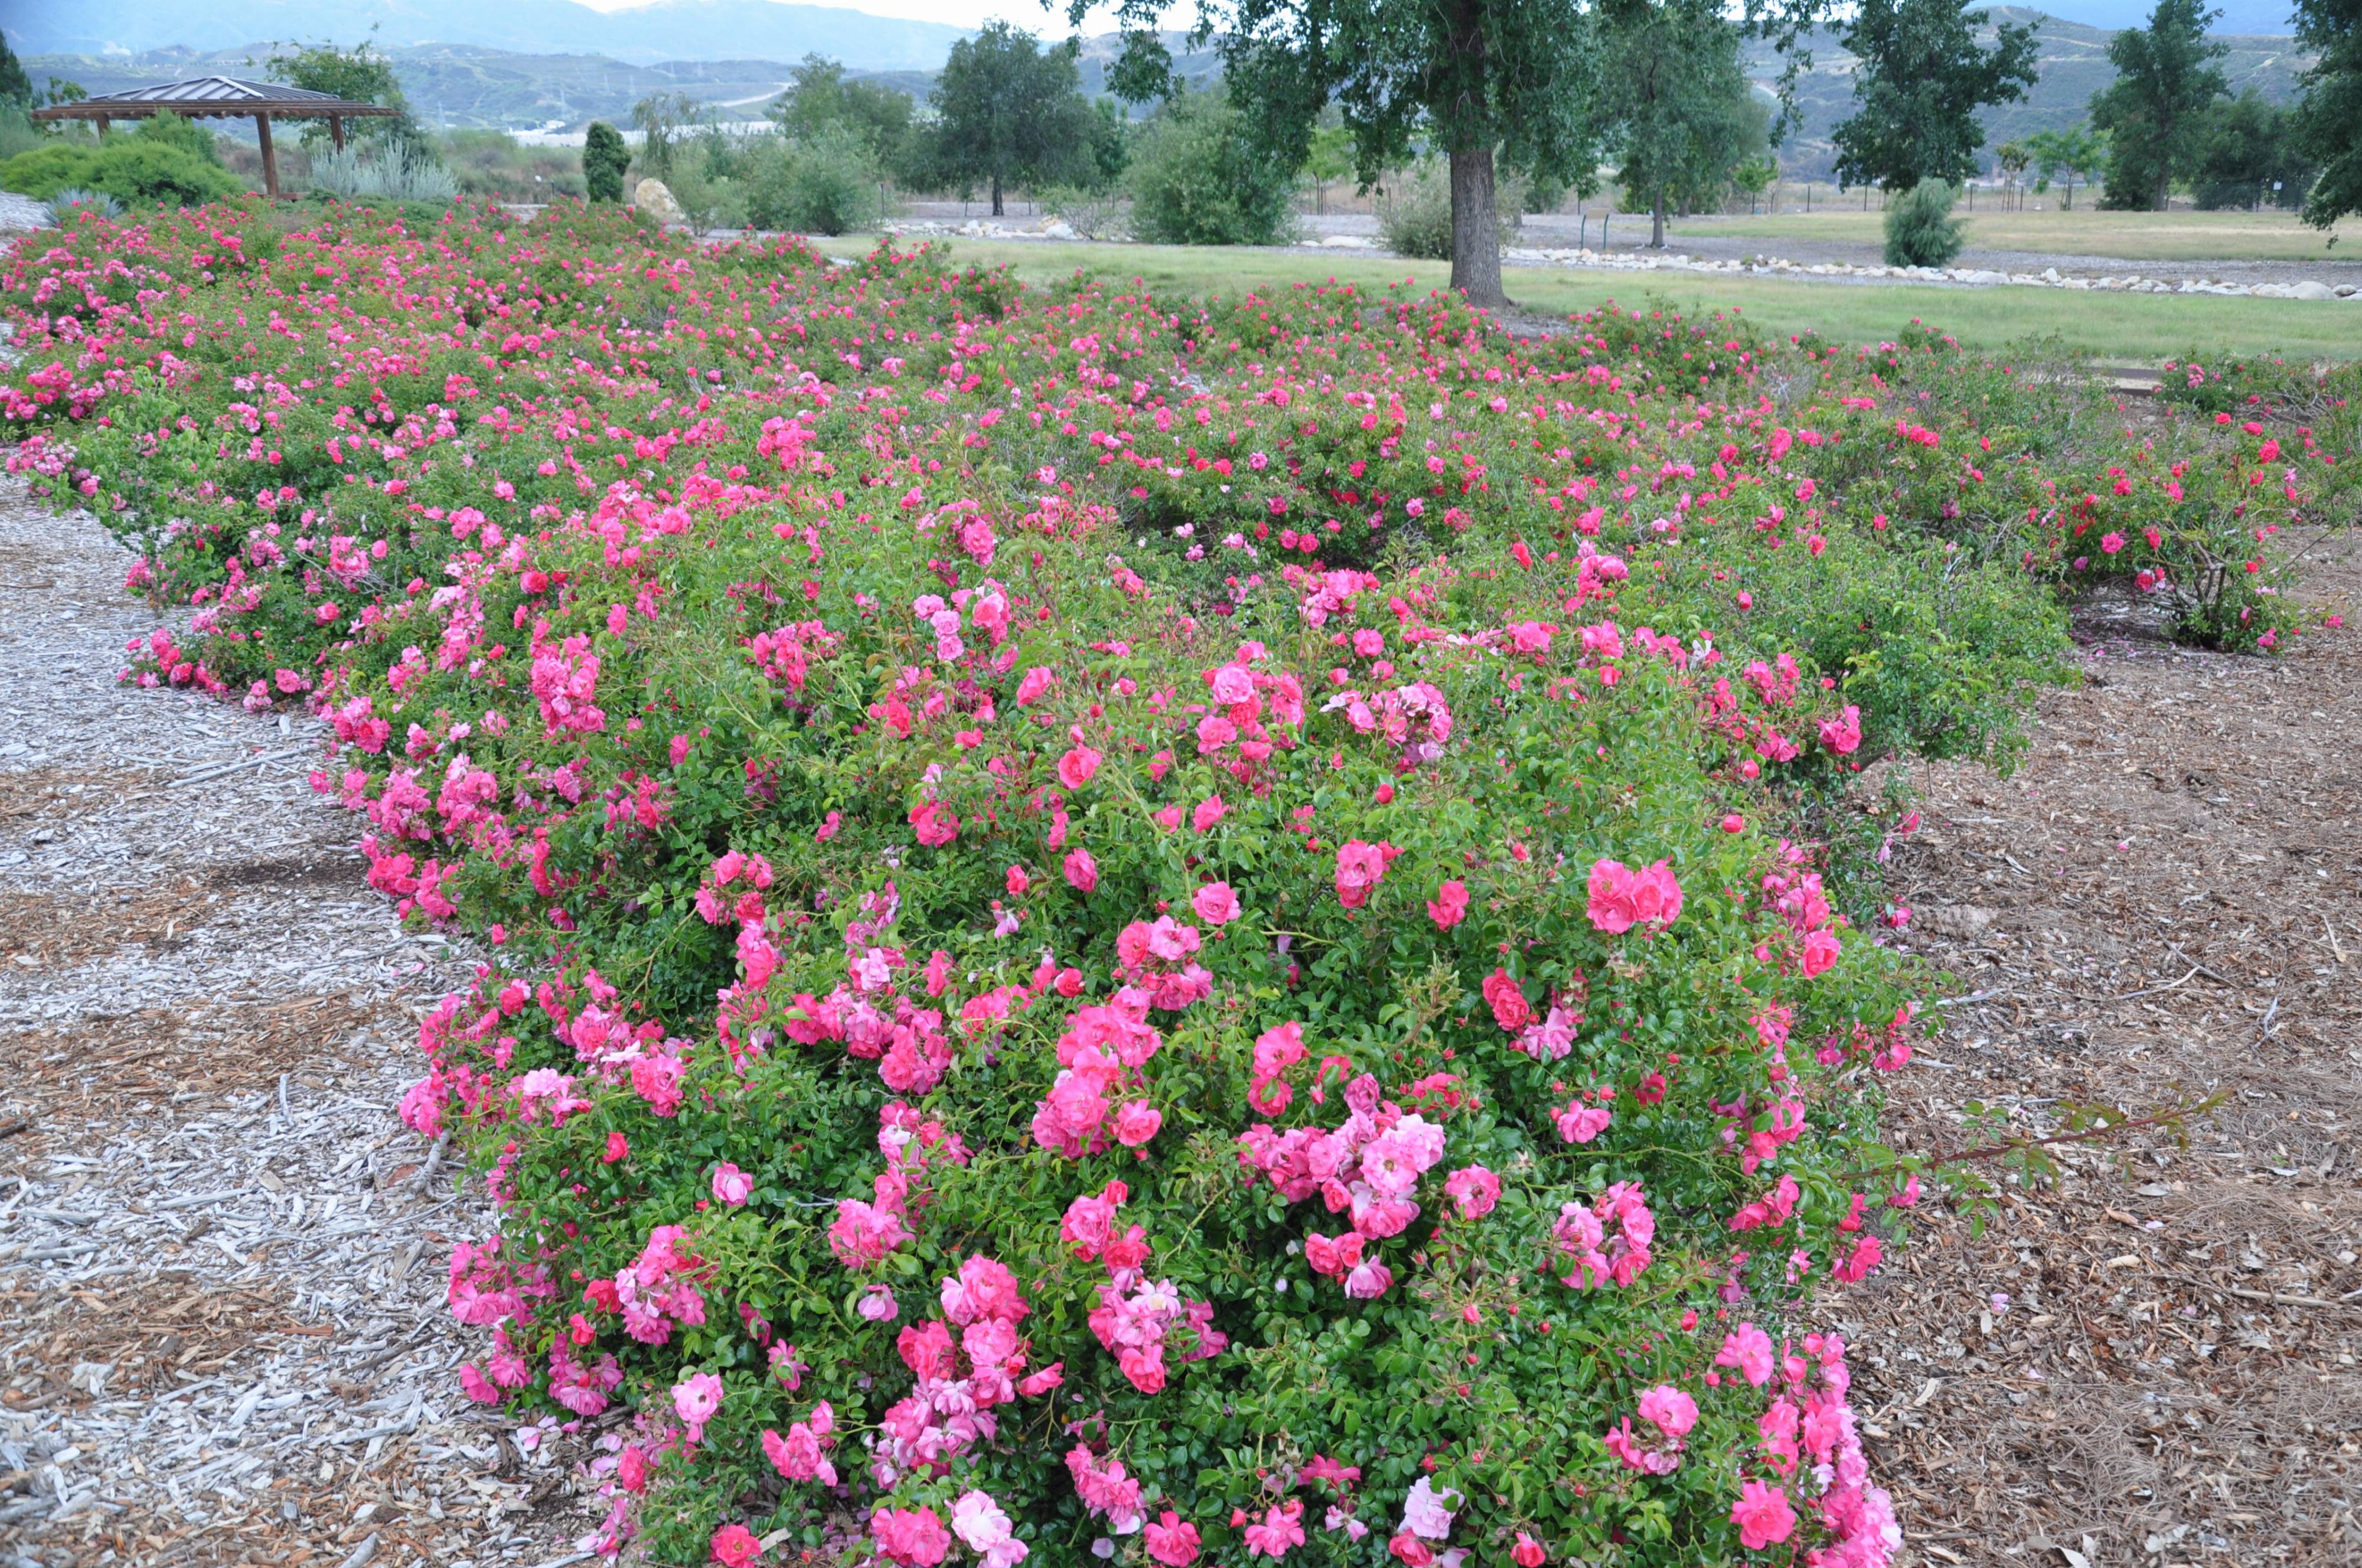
(222, 1329)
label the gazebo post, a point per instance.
(269, 158)
(103, 123)
(336, 131)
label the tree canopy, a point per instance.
(1921, 80)
(2329, 120)
(2166, 81)
(1681, 115)
(1480, 81)
(819, 95)
(362, 74)
(1009, 110)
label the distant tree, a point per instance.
(604, 158)
(362, 74)
(1007, 111)
(665, 121)
(2247, 147)
(1111, 140)
(15, 87)
(1918, 87)
(1200, 177)
(2011, 159)
(2167, 79)
(819, 97)
(2075, 153)
(2329, 117)
(1328, 159)
(1676, 102)
(1489, 85)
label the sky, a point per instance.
(1027, 14)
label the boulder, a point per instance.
(654, 198)
(2310, 290)
(1058, 228)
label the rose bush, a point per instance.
(1117, 923)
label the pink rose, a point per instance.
(731, 1184)
(1137, 1122)
(1075, 769)
(1216, 904)
(1449, 905)
(1082, 871)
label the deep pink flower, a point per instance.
(1082, 871)
(1764, 1516)
(1449, 905)
(735, 1546)
(1216, 903)
(1622, 899)
(1075, 768)
(1360, 868)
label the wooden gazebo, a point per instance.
(223, 97)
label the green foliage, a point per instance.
(2329, 118)
(1917, 90)
(2166, 81)
(1920, 228)
(819, 99)
(1486, 81)
(496, 164)
(665, 121)
(1009, 112)
(1685, 118)
(2069, 155)
(15, 87)
(1112, 135)
(134, 171)
(1199, 177)
(2248, 146)
(170, 130)
(605, 156)
(825, 182)
(18, 133)
(363, 73)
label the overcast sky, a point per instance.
(1028, 13)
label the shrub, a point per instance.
(134, 171)
(826, 182)
(1094, 215)
(1415, 212)
(1920, 228)
(1197, 178)
(392, 173)
(1217, 965)
(67, 206)
(170, 130)
(604, 158)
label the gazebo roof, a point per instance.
(213, 95)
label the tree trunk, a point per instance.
(1657, 221)
(995, 196)
(1475, 229)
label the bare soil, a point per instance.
(2151, 1358)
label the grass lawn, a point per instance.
(2129, 329)
(2085, 231)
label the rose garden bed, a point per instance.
(1188, 930)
